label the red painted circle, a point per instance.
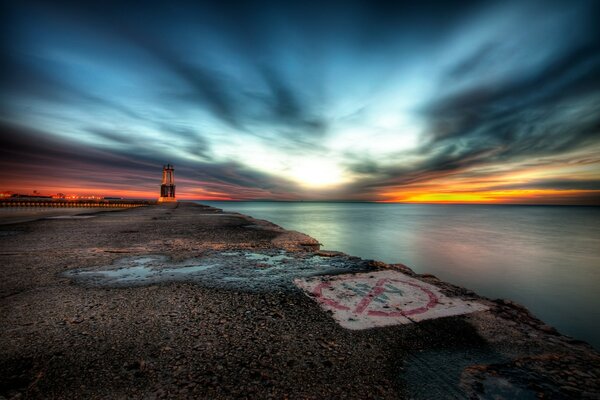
(375, 291)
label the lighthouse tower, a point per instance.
(167, 187)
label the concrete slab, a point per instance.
(382, 298)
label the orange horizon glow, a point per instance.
(536, 196)
(499, 184)
(517, 196)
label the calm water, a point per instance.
(547, 258)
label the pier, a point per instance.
(61, 203)
(187, 301)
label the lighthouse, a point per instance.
(167, 187)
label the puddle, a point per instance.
(267, 259)
(239, 270)
(145, 269)
(126, 274)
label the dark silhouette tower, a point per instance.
(167, 187)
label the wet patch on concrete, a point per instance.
(266, 270)
(382, 298)
(144, 270)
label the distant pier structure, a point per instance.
(167, 187)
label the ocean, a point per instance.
(544, 257)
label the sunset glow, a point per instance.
(543, 196)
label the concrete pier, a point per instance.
(186, 301)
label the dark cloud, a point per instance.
(550, 112)
(111, 136)
(35, 158)
(288, 107)
(554, 184)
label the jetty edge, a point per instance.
(256, 335)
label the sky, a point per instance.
(483, 101)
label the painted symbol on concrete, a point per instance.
(374, 300)
(360, 301)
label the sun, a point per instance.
(317, 172)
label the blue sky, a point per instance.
(284, 100)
